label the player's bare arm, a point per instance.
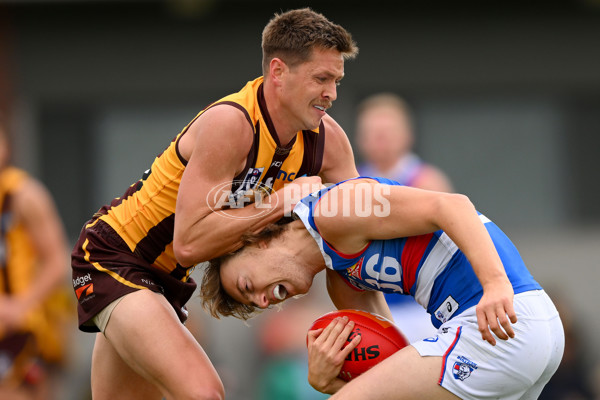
(415, 212)
(338, 159)
(216, 147)
(36, 210)
(344, 296)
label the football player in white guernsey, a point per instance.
(373, 235)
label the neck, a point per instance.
(303, 247)
(285, 129)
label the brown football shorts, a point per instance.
(105, 269)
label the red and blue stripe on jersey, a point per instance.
(429, 267)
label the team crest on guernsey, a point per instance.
(463, 368)
(355, 270)
(354, 275)
(241, 187)
(251, 178)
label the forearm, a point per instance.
(330, 388)
(220, 232)
(495, 310)
(460, 222)
(42, 222)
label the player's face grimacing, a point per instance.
(311, 87)
(263, 280)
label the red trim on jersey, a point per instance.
(412, 254)
(447, 353)
(343, 255)
(347, 256)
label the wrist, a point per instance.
(330, 387)
(494, 281)
(334, 386)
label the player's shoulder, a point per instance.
(338, 158)
(221, 126)
(11, 176)
(30, 195)
(223, 122)
(332, 126)
(17, 182)
(334, 133)
(225, 114)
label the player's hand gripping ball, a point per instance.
(380, 338)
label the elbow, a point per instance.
(217, 393)
(189, 250)
(184, 254)
(190, 254)
(460, 198)
(455, 203)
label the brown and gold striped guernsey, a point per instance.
(144, 216)
(19, 269)
(17, 255)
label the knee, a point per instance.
(202, 392)
(213, 393)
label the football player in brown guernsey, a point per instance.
(132, 262)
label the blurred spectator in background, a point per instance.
(34, 307)
(385, 138)
(385, 142)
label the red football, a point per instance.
(380, 338)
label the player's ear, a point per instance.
(262, 245)
(277, 70)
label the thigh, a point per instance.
(405, 375)
(147, 335)
(112, 378)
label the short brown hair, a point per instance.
(292, 35)
(214, 298)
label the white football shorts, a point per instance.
(517, 368)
